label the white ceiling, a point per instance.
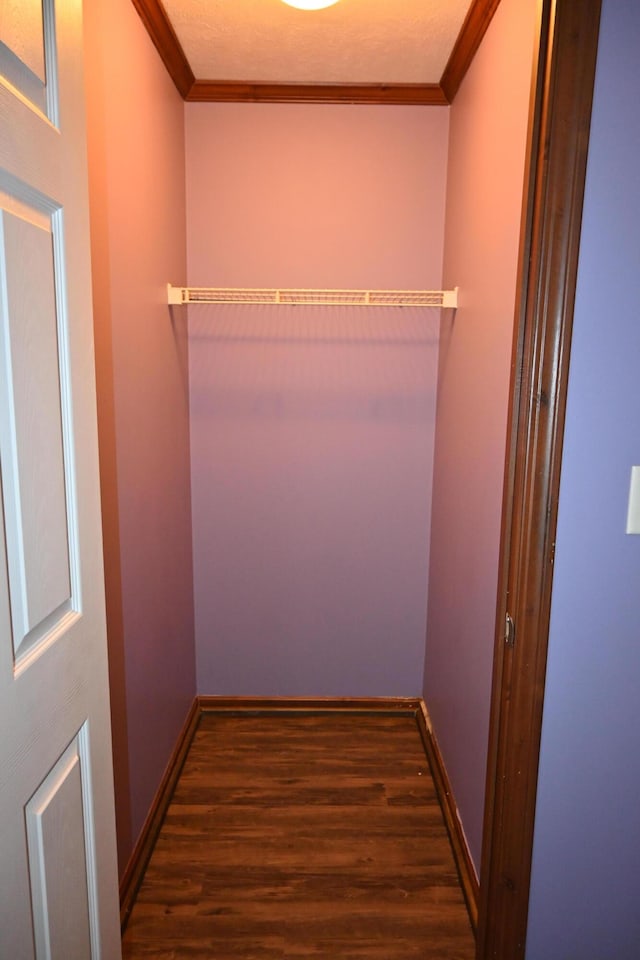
(355, 41)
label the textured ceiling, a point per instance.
(355, 41)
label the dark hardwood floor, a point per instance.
(302, 836)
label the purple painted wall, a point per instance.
(136, 152)
(484, 201)
(586, 865)
(312, 429)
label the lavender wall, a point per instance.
(484, 202)
(312, 429)
(586, 865)
(136, 153)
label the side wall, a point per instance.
(312, 428)
(484, 202)
(586, 862)
(136, 159)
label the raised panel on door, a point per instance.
(61, 862)
(33, 452)
(27, 51)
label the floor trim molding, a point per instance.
(211, 704)
(134, 871)
(462, 854)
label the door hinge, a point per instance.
(509, 630)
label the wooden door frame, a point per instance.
(550, 242)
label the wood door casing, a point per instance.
(549, 258)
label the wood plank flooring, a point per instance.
(295, 836)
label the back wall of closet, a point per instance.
(312, 428)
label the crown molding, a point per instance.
(395, 93)
(159, 28)
(469, 39)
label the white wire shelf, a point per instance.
(360, 298)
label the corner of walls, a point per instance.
(138, 223)
(488, 132)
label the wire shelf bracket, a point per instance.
(361, 298)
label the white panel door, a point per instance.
(58, 878)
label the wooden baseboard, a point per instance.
(466, 869)
(211, 704)
(134, 872)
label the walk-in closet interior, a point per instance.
(295, 497)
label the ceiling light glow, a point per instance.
(310, 4)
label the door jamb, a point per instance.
(549, 251)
